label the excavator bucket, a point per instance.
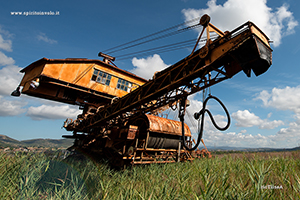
(254, 53)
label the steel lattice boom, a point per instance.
(244, 48)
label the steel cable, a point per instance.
(178, 44)
(161, 49)
(156, 38)
(114, 49)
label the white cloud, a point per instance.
(5, 44)
(266, 124)
(9, 79)
(246, 119)
(147, 67)
(240, 139)
(243, 139)
(43, 37)
(10, 76)
(233, 13)
(283, 15)
(195, 105)
(52, 112)
(270, 114)
(4, 60)
(293, 130)
(289, 135)
(285, 137)
(11, 108)
(282, 99)
(243, 131)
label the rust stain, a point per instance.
(77, 72)
(167, 126)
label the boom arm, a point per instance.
(244, 48)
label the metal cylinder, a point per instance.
(163, 133)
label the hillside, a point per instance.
(245, 149)
(6, 141)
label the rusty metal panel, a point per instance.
(132, 132)
(32, 74)
(84, 74)
(117, 74)
(68, 72)
(166, 126)
(255, 30)
(113, 82)
(55, 75)
(52, 70)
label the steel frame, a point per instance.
(173, 83)
(144, 155)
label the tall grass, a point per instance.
(36, 176)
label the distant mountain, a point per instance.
(6, 141)
(246, 149)
(63, 143)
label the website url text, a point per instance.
(35, 13)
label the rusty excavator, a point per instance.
(119, 119)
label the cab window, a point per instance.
(101, 77)
(124, 85)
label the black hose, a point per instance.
(202, 113)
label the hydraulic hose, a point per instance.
(201, 114)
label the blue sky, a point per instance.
(265, 110)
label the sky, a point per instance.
(265, 110)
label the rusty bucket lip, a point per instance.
(156, 124)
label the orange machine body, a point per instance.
(77, 81)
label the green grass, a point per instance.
(36, 176)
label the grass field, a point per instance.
(234, 176)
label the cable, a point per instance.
(157, 52)
(158, 48)
(161, 49)
(156, 38)
(153, 34)
(201, 114)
